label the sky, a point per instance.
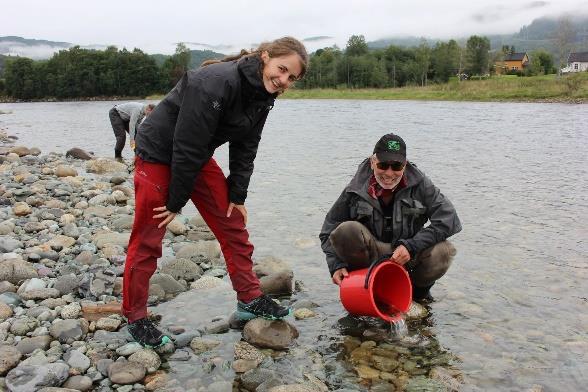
(157, 26)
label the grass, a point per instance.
(547, 88)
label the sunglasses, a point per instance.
(394, 165)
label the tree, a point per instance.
(356, 46)
(445, 60)
(423, 60)
(541, 61)
(564, 36)
(477, 54)
(175, 66)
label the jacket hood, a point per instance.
(250, 70)
(359, 182)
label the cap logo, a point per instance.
(393, 145)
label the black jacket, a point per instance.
(219, 103)
(420, 201)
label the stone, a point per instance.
(182, 269)
(147, 358)
(16, 270)
(156, 381)
(21, 209)
(269, 266)
(65, 171)
(39, 294)
(9, 244)
(177, 227)
(77, 360)
(416, 311)
(279, 283)
(71, 311)
(208, 249)
(66, 284)
(21, 151)
(277, 334)
(104, 165)
(68, 330)
(303, 313)
(424, 384)
(101, 240)
(293, 388)
(78, 383)
(108, 324)
(167, 283)
(126, 372)
(60, 241)
(5, 311)
(200, 345)
(21, 327)
(124, 222)
(9, 358)
(207, 282)
(28, 345)
(78, 153)
(27, 378)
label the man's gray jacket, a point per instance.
(133, 112)
(420, 201)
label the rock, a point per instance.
(60, 241)
(9, 244)
(416, 311)
(442, 375)
(201, 345)
(16, 270)
(303, 313)
(9, 358)
(208, 249)
(129, 349)
(277, 334)
(104, 165)
(244, 365)
(27, 378)
(68, 330)
(10, 299)
(126, 372)
(78, 153)
(293, 388)
(167, 283)
(39, 294)
(124, 222)
(6, 286)
(207, 282)
(5, 311)
(102, 199)
(21, 151)
(71, 311)
(156, 381)
(366, 372)
(424, 384)
(77, 360)
(182, 269)
(21, 209)
(78, 383)
(147, 358)
(279, 283)
(67, 219)
(66, 284)
(23, 326)
(252, 379)
(121, 239)
(216, 327)
(108, 324)
(65, 171)
(177, 227)
(28, 345)
(246, 351)
(269, 266)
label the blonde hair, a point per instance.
(277, 48)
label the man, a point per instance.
(383, 212)
(125, 118)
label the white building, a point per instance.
(577, 62)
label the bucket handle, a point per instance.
(372, 266)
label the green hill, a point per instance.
(196, 57)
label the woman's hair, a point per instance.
(280, 47)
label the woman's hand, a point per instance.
(401, 255)
(339, 275)
(166, 215)
(241, 208)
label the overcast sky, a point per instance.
(156, 26)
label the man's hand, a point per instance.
(401, 255)
(241, 208)
(132, 143)
(166, 215)
(339, 275)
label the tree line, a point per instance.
(79, 73)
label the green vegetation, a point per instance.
(548, 88)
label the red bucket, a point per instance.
(388, 293)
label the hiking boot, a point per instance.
(422, 295)
(146, 334)
(262, 306)
(119, 159)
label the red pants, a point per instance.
(210, 196)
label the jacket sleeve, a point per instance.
(133, 122)
(338, 213)
(199, 112)
(442, 216)
(241, 156)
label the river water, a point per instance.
(513, 308)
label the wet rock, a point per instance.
(217, 326)
(26, 378)
(424, 384)
(279, 283)
(104, 165)
(252, 379)
(182, 269)
(201, 345)
(147, 358)
(303, 313)
(9, 244)
(78, 153)
(126, 372)
(293, 388)
(9, 358)
(446, 378)
(156, 381)
(277, 334)
(21, 151)
(269, 266)
(28, 345)
(65, 171)
(78, 383)
(416, 311)
(69, 330)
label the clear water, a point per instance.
(513, 307)
(398, 329)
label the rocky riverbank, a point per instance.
(65, 221)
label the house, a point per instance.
(512, 62)
(577, 62)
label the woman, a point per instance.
(223, 101)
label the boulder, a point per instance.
(277, 334)
(78, 153)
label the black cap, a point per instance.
(390, 147)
